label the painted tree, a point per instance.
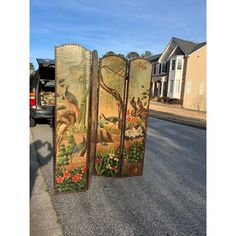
(62, 156)
(116, 95)
(83, 81)
(71, 145)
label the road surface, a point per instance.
(169, 199)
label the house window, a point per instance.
(154, 69)
(173, 64)
(163, 67)
(160, 69)
(201, 88)
(177, 86)
(189, 86)
(179, 65)
(171, 86)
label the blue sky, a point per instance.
(114, 25)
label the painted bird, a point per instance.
(111, 119)
(81, 147)
(105, 137)
(133, 104)
(142, 112)
(72, 103)
(65, 119)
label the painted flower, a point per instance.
(114, 168)
(97, 161)
(60, 180)
(67, 174)
(111, 155)
(76, 178)
(84, 170)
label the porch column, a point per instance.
(153, 88)
(162, 86)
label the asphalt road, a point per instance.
(169, 199)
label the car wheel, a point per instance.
(32, 122)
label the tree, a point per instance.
(146, 54)
(132, 55)
(109, 53)
(121, 55)
(31, 66)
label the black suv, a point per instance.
(42, 92)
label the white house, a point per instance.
(169, 69)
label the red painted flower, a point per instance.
(84, 170)
(128, 119)
(76, 178)
(97, 161)
(79, 176)
(60, 180)
(67, 174)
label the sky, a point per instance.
(121, 26)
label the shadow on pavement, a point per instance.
(37, 159)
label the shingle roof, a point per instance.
(154, 57)
(185, 46)
(198, 46)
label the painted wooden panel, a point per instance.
(136, 117)
(110, 115)
(71, 123)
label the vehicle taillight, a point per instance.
(32, 99)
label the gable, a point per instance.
(171, 49)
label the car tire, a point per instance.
(32, 122)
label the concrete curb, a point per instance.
(196, 123)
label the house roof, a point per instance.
(154, 57)
(186, 46)
(198, 46)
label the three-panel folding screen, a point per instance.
(100, 116)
